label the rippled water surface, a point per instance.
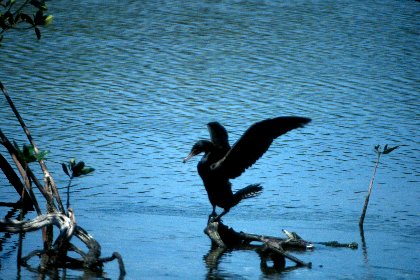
(129, 86)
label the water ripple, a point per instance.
(129, 94)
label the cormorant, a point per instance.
(222, 162)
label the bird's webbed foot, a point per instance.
(212, 217)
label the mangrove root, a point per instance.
(57, 256)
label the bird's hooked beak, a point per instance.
(194, 152)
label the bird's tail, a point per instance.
(247, 192)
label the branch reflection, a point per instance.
(270, 262)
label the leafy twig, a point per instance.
(379, 152)
(73, 169)
(10, 19)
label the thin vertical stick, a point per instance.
(20, 242)
(362, 217)
(68, 192)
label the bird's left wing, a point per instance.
(254, 143)
(219, 136)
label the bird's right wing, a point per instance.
(254, 143)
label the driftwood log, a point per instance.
(57, 256)
(269, 248)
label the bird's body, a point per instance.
(221, 162)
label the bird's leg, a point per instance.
(212, 215)
(217, 219)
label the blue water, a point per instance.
(128, 87)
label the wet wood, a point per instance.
(26, 174)
(225, 237)
(57, 256)
(16, 183)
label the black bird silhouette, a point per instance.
(222, 162)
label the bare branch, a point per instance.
(47, 177)
(65, 224)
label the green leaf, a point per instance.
(64, 166)
(388, 150)
(78, 168)
(10, 3)
(39, 4)
(87, 170)
(41, 155)
(29, 154)
(28, 150)
(27, 18)
(39, 18)
(48, 19)
(17, 18)
(9, 17)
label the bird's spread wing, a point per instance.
(254, 143)
(219, 136)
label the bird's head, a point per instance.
(202, 146)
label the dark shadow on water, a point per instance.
(270, 264)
